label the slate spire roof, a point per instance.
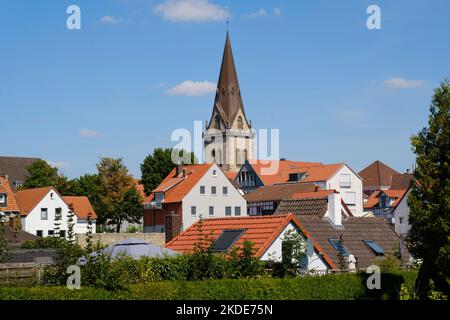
(228, 100)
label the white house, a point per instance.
(338, 176)
(40, 206)
(400, 216)
(191, 191)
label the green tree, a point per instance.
(41, 174)
(89, 234)
(243, 263)
(89, 186)
(114, 182)
(130, 209)
(4, 247)
(70, 226)
(341, 254)
(429, 199)
(57, 223)
(158, 165)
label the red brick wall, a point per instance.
(172, 220)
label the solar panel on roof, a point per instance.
(377, 249)
(226, 240)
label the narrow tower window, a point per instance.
(240, 123)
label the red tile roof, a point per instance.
(377, 175)
(11, 203)
(316, 171)
(81, 207)
(176, 187)
(28, 199)
(261, 231)
(394, 194)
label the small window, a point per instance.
(193, 210)
(377, 249)
(2, 198)
(62, 233)
(214, 173)
(39, 233)
(213, 190)
(211, 210)
(228, 211)
(345, 181)
(400, 220)
(51, 195)
(51, 233)
(202, 189)
(237, 211)
(44, 214)
(335, 244)
(350, 198)
(225, 190)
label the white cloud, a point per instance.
(109, 20)
(192, 88)
(191, 11)
(87, 133)
(57, 164)
(277, 11)
(260, 13)
(400, 83)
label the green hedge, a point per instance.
(329, 287)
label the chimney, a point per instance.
(334, 209)
(179, 169)
(172, 225)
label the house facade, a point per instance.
(339, 177)
(190, 192)
(39, 207)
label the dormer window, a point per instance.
(2, 198)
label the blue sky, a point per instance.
(337, 91)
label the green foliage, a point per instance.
(341, 254)
(4, 247)
(71, 226)
(134, 229)
(114, 182)
(43, 243)
(158, 165)
(89, 234)
(131, 209)
(41, 174)
(242, 262)
(87, 185)
(327, 287)
(429, 199)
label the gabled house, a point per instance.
(191, 191)
(365, 240)
(8, 203)
(267, 234)
(38, 208)
(382, 203)
(376, 176)
(338, 176)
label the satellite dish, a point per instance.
(309, 247)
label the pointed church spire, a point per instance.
(228, 99)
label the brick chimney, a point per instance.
(172, 225)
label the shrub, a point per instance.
(43, 243)
(327, 287)
(242, 262)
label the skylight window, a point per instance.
(343, 249)
(226, 240)
(377, 249)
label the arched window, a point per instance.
(213, 154)
(240, 123)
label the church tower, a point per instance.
(228, 138)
